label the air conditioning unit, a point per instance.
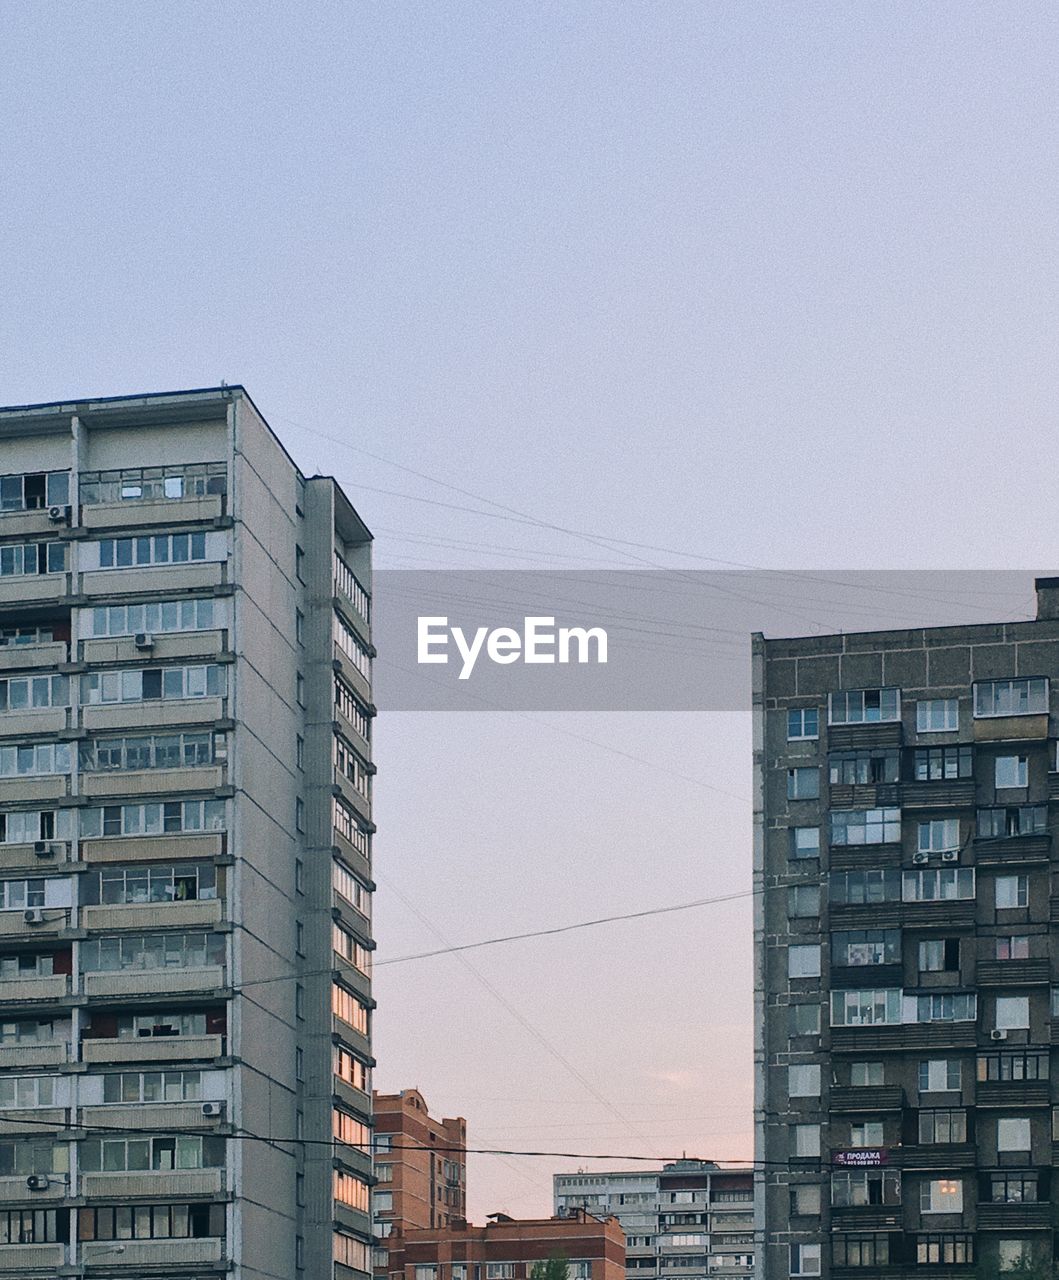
(920, 858)
(144, 640)
(213, 1109)
(59, 515)
(951, 855)
(37, 1182)
(998, 1034)
(33, 915)
(43, 849)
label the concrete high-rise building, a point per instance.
(906, 966)
(185, 848)
(689, 1220)
(420, 1167)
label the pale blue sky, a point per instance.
(774, 283)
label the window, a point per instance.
(19, 1092)
(1013, 1255)
(153, 1086)
(864, 888)
(25, 826)
(21, 560)
(350, 706)
(944, 1248)
(345, 1005)
(347, 641)
(34, 1226)
(33, 1031)
(866, 1133)
(1011, 771)
(865, 1186)
(1013, 1134)
(160, 548)
(803, 962)
(1014, 820)
(26, 965)
(803, 784)
(806, 1141)
(942, 1007)
(299, 751)
(299, 814)
(17, 895)
(34, 490)
(863, 1075)
(805, 1200)
(939, 955)
(803, 724)
(154, 619)
(171, 817)
(1012, 891)
(805, 1019)
(152, 751)
(499, 1270)
(299, 689)
(947, 884)
(174, 882)
(855, 947)
(1013, 947)
(1010, 697)
(866, 826)
(849, 1249)
(805, 842)
(46, 634)
(1013, 1013)
(349, 765)
(865, 1008)
(154, 484)
(941, 1195)
(864, 706)
(805, 1259)
(347, 946)
(351, 1191)
(349, 1130)
(1028, 1064)
(803, 901)
(1013, 1188)
(943, 764)
(945, 1125)
(26, 1155)
(347, 886)
(140, 951)
(940, 1075)
(24, 693)
(937, 715)
(939, 835)
(803, 1081)
(154, 683)
(35, 761)
(151, 1153)
(299, 626)
(864, 768)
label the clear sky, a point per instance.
(765, 282)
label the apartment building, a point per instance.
(906, 792)
(509, 1249)
(185, 848)
(689, 1220)
(420, 1168)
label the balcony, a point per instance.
(159, 1115)
(151, 982)
(935, 1155)
(173, 848)
(1014, 851)
(1011, 728)
(152, 782)
(32, 1120)
(24, 1259)
(1014, 1217)
(867, 1098)
(866, 1217)
(34, 588)
(919, 1035)
(49, 786)
(197, 575)
(1012, 1093)
(136, 514)
(13, 924)
(153, 1253)
(862, 737)
(32, 1054)
(1013, 973)
(19, 990)
(24, 856)
(25, 724)
(153, 714)
(178, 644)
(866, 795)
(14, 1188)
(25, 657)
(853, 857)
(941, 793)
(155, 915)
(153, 1049)
(170, 1182)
